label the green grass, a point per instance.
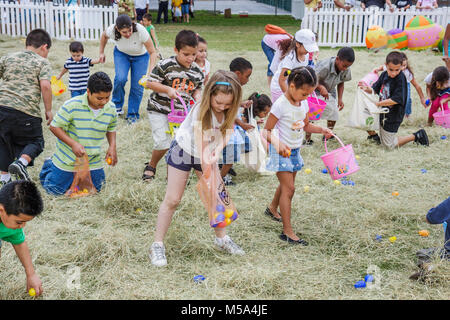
(108, 238)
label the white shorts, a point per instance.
(388, 139)
(331, 111)
(160, 128)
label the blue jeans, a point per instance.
(408, 101)
(138, 64)
(269, 52)
(56, 181)
(75, 93)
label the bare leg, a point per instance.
(176, 183)
(287, 193)
(269, 80)
(404, 140)
(225, 169)
(331, 124)
(372, 133)
(273, 207)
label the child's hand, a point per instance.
(423, 101)
(247, 127)
(340, 105)
(323, 92)
(48, 117)
(172, 93)
(34, 282)
(247, 104)
(78, 149)
(284, 150)
(102, 58)
(111, 154)
(327, 133)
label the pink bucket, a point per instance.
(369, 79)
(177, 116)
(340, 162)
(442, 118)
(316, 107)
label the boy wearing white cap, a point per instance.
(293, 54)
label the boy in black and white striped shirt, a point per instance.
(78, 67)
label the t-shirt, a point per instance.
(141, 4)
(425, 3)
(77, 119)
(403, 3)
(170, 73)
(395, 89)
(78, 72)
(272, 40)
(312, 4)
(20, 88)
(206, 69)
(289, 62)
(290, 121)
(379, 3)
(328, 76)
(409, 76)
(185, 2)
(149, 30)
(185, 135)
(13, 236)
(441, 214)
(133, 46)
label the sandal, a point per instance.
(147, 177)
(270, 214)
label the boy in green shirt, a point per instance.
(20, 202)
(147, 23)
(80, 127)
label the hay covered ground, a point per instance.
(108, 235)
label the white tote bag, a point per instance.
(255, 160)
(365, 114)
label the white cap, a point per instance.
(308, 39)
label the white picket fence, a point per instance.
(337, 27)
(61, 22)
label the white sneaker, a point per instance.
(227, 244)
(158, 254)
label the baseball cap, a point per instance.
(308, 39)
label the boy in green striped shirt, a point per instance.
(80, 127)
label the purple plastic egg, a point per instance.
(234, 216)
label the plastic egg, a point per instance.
(223, 224)
(337, 182)
(109, 161)
(357, 157)
(306, 188)
(227, 221)
(424, 233)
(392, 239)
(234, 216)
(308, 170)
(32, 292)
(219, 217)
(324, 171)
(220, 208)
(395, 193)
(228, 213)
(85, 191)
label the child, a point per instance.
(407, 70)
(185, 5)
(289, 116)
(147, 23)
(80, 126)
(332, 73)
(232, 152)
(25, 77)
(392, 89)
(293, 55)
(437, 215)
(261, 104)
(20, 202)
(215, 114)
(78, 67)
(439, 90)
(269, 45)
(426, 4)
(201, 60)
(176, 10)
(177, 75)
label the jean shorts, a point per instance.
(184, 9)
(178, 158)
(278, 163)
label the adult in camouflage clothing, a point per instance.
(25, 77)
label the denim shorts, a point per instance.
(185, 9)
(178, 158)
(278, 163)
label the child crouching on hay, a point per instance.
(439, 91)
(215, 113)
(20, 202)
(289, 116)
(80, 125)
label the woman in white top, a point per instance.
(293, 55)
(132, 50)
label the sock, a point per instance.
(5, 177)
(23, 161)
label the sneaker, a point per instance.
(308, 142)
(228, 181)
(2, 182)
(131, 121)
(158, 254)
(375, 138)
(421, 137)
(18, 169)
(289, 240)
(119, 112)
(227, 244)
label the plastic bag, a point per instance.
(82, 182)
(365, 114)
(255, 159)
(215, 198)
(58, 87)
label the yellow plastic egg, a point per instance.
(227, 221)
(308, 170)
(337, 182)
(357, 157)
(228, 213)
(393, 239)
(32, 292)
(424, 233)
(306, 188)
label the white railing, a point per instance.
(337, 27)
(61, 22)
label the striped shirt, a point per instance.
(79, 122)
(78, 73)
